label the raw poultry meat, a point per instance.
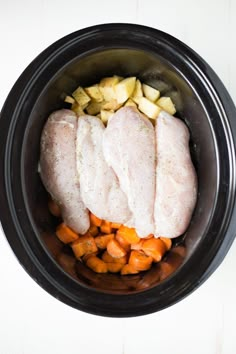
(58, 168)
(129, 148)
(176, 181)
(100, 189)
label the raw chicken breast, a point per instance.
(100, 189)
(176, 181)
(129, 148)
(58, 168)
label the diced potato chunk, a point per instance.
(94, 93)
(77, 109)
(94, 108)
(111, 105)
(167, 105)
(124, 89)
(106, 87)
(138, 92)
(105, 115)
(69, 99)
(150, 93)
(149, 108)
(131, 103)
(81, 97)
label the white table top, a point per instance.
(32, 321)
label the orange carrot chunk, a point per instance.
(65, 234)
(114, 267)
(106, 257)
(128, 234)
(167, 242)
(128, 269)
(139, 260)
(86, 256)
(102, 240)
(96, 264)
(137, 246)
(124, 244)
(106, 227)
(54, 208)
(94, 220)
(93, 230)
(115, 225)
(84, 245)
(155, 248)
(115, 250)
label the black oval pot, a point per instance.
(203, 103)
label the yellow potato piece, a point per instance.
(105, 115)
(167, 105)
(149, 108)
(106, 86)
(111, 105)
(77, 109)
(69, 99)
(138, 92)
(94, 93)
(81, 97)
(150, 93)
(124, 89)
(94, 108)
(131, 103)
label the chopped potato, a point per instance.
(107, 86)
(149, 108)
(167, 105)
(138, 92)
(81, 97)
(105, 115)
(77, 109)
(150, 93)
(111, 105)
(131, 103)
(69, 99)
(124, 89)
(94, 93)
(94, 108)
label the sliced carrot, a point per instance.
(124, 244)
(128, 269)
(114, 267)
(139, 260)
(106, 257)
(115, 225)
(54, 208)
(94, 220)
(167, 242)
(65, 234)
(115, 250)
(84, 245)
(93, 230)
(137, 246)
(102, 240)
(149, 236)
(86, 256)
(106, 227)
(155, 248)
(128, 234)
(96, 264)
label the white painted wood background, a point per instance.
(33, 322)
